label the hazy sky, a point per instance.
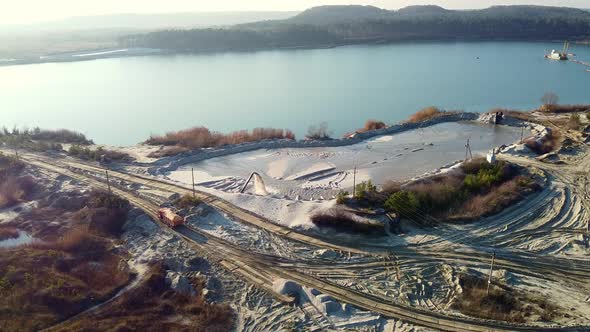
(28, 11)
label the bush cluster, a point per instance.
(41, 140)
(363, 189)
(320, 132)
(201, 137)
(477, 189)
(372, 125)
(425, 114)
(187, 201)
(99, 154)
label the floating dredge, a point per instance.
(563, 55)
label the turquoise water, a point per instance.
(122, 101)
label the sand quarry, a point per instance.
(536, 241)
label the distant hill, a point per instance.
(329, 26)
(150, 21)
(338, 14)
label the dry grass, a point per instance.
(425, 114)
(502, 303)
(475, 190)
(496, 199)
(44, 135)
(100, 154)
(59, 276)
(13, 188)
(42, 286)
(167, 151)
(201, 137)
(344, 221)
(520, 115)
(152, 306)
(320, 132)
(187, 201)
(551, 142)
(564, 108)
(8, 233)
(372, 125)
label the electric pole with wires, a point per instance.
(491, 271)
(468, 154)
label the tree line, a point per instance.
(307, 30)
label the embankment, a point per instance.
(172, 163)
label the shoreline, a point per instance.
(115, 53)
(165, 166)
(168, 164)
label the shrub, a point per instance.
(574, 122)
(425, 114)
(391, 187)
(187, 201)
(564, 108)
(60, 136)
(549, 98)
(344, 221)
(363, 188)
(373, 125)
(342, 196)
(404, 203)
(549, 143)
(520, 115)
(318, 132)
(499, 304)
(14, 190)
(201, 137)
(486, 176)
(100, 154)
(8, 233)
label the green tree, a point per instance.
(405, 203)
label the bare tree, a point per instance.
(319, 132)
(550, 98)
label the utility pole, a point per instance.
(491, 270)
(108, 182)
(354, 182)
(468, 155)
(193, 175)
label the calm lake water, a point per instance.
(123, 101)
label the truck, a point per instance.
(170, 218)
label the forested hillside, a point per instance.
(340, 25)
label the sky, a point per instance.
(32, 11)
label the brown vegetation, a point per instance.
(426, 114)
(100, 154)
(501, 304)
(476, 190)
(555, 108)
(41, 140)
(341, 220)
(549, 143)
(201, 137)
(372, 125)
(8, 233)
(13, 187)
(520, 115)
(153, 306)
(187, 201)
(69, 268)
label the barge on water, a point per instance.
(556, 55)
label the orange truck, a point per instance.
(170, 218)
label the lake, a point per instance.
(122, 101)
